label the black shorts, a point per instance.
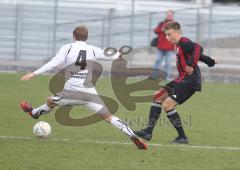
(179, 92)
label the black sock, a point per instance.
(175, 120)
(154, 114)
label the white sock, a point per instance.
(44, 109)
(115, 121)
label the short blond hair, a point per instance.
(172, 25)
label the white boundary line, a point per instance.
(119, 143)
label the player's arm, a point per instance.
(192, 61)
(107, 54)
(56, 61)
(207, 60)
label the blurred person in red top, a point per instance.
(164, 47)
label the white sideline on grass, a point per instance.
(119, 143)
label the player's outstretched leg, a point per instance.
(121, 125)
(26, 107)
(138, 142)
(35, 113)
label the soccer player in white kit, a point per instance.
(77, 59)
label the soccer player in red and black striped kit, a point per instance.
(178, 91)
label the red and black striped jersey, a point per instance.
(188, 53)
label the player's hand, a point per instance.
(212, 63)
(189, 70)
(28, 76)
(215, 62)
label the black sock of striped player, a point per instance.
(121, 125)
(154, 114)
(175, 120)
(44, 109)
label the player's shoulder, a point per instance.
(188, 41)
(188, 44)
(185, 40)
(93, 47)
(96, 50)
(66, 46)
(64, 49)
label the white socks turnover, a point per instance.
(44, 109)
(115, 121)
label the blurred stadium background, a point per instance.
(32, 30)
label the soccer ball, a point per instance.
(42, 129)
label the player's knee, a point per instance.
(106, 116)
(50, 103)
(164, 105)
(167, 105)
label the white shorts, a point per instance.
(88, 97)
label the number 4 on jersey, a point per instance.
(81, 60)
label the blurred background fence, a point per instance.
(31, 31)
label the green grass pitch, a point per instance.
(211, 121)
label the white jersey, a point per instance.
(77, 58)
